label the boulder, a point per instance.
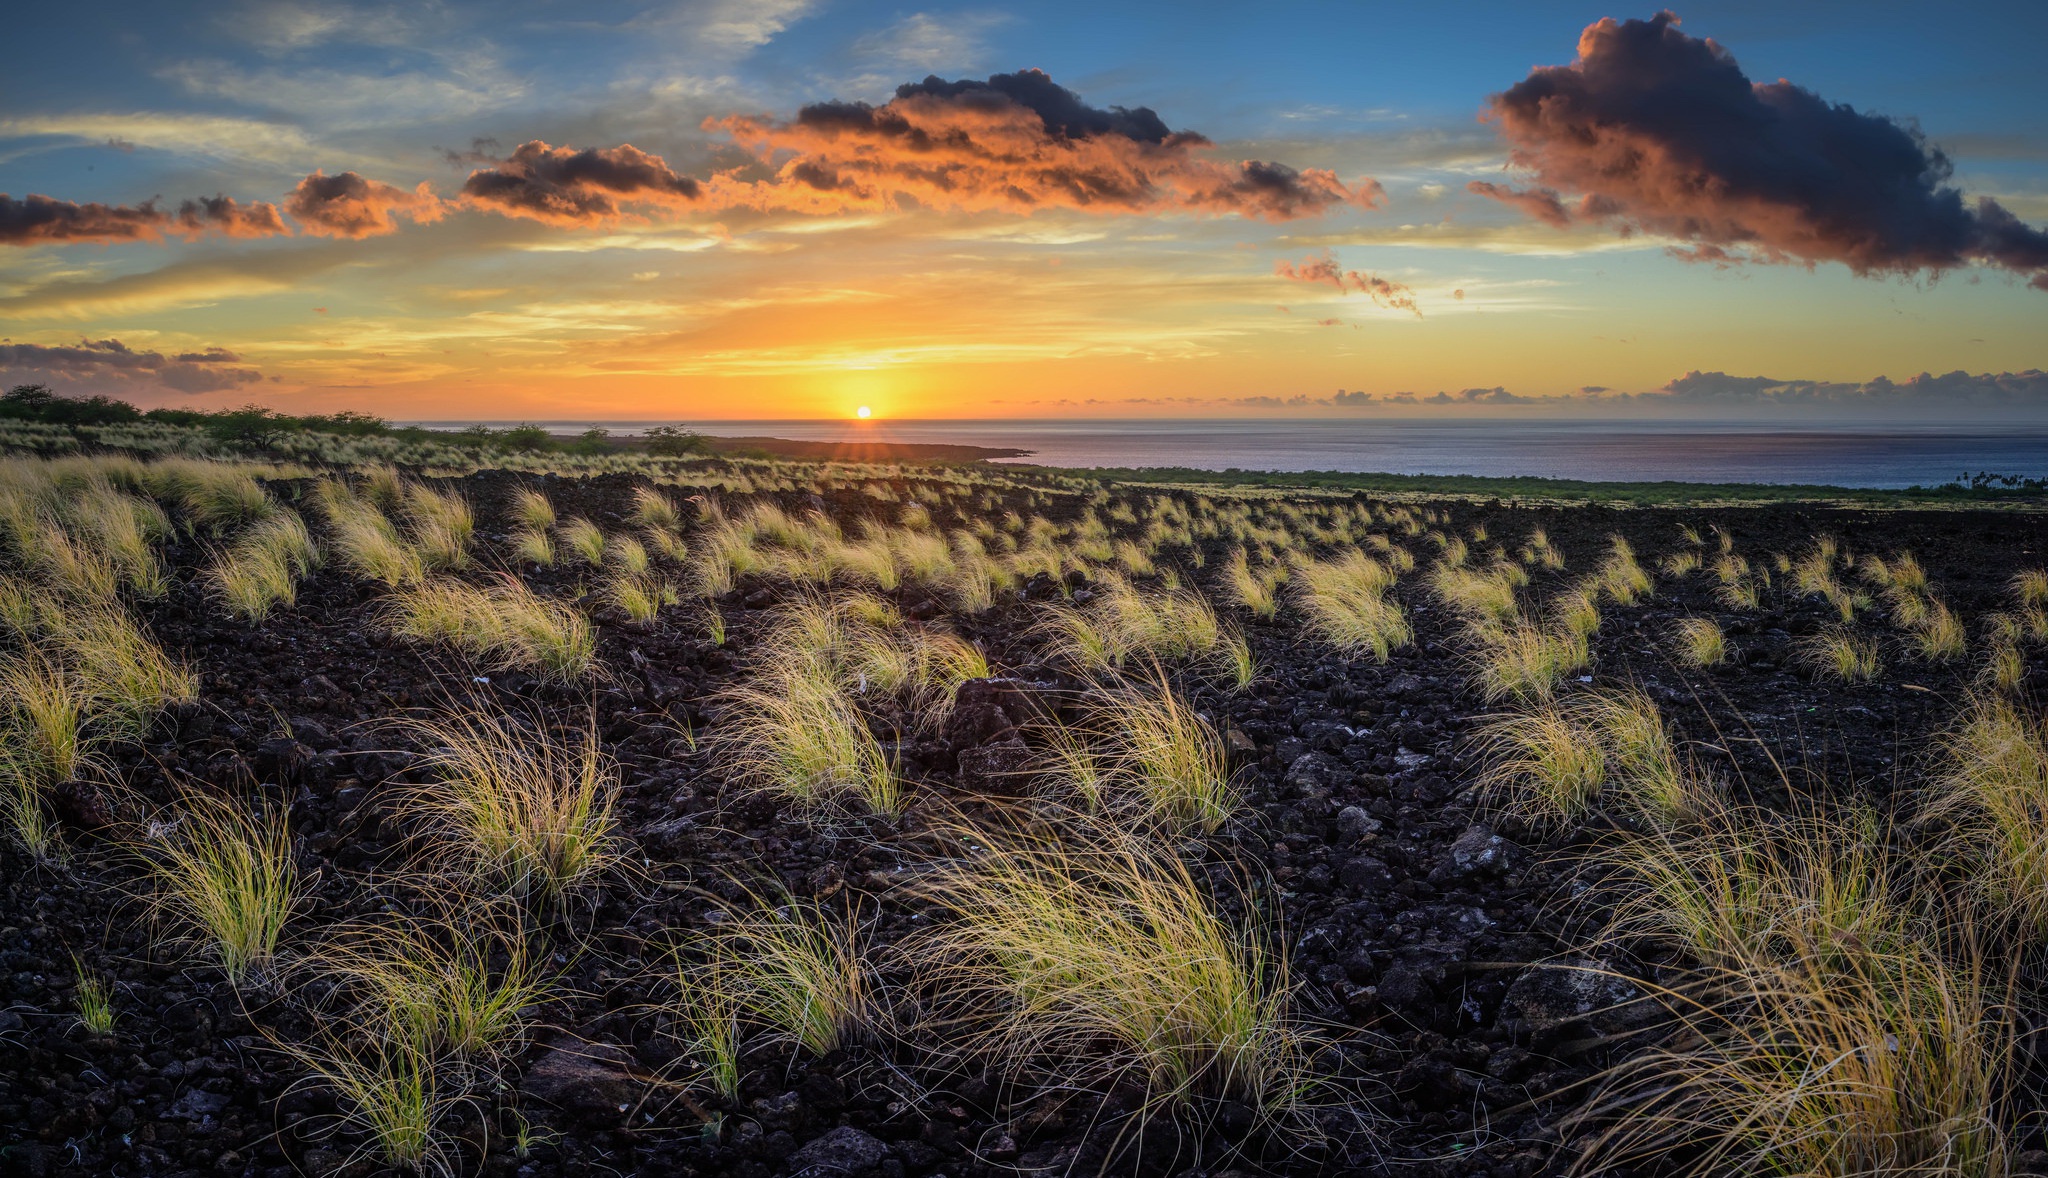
(596, 1081)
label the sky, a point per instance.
(756, 209)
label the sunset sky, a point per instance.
(727, 209)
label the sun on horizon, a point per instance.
(864, 413)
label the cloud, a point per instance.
(222, 215)
(40, 220)
(564, 186)
(1954, 391)
(348, 205)
(110, 366)
(1015, 143)
(1383, 292)
(1662, 131)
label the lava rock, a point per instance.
(597, 1081)
(845, 1152)
(1574, 996)
(1478, 853)
(1000, 768)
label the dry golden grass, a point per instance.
(1840, 654)
(1701, 643)
(1103, 960)
(225, 871)
(1348, 604)
(526, 811)
(506, 626)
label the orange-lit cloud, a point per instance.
(1663, 131)
(1382, 291)
(349, 205)
(1015, 143)
(564, 186)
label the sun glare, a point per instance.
(863, 413)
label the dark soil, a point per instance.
(1411, 916)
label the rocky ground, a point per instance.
(1413, 918)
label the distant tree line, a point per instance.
(256, 426)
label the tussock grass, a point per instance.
(460, 988)
(1826, 1032)
(1482, 595)
(367, 542)
(1105, 960)
(226, 872)
(1123, 623)
(1896, 1063)
(1347, 602)
(526, 810)
(1525, 659)
(388, 1091)
(1701, 642)
(1255, 591)
(1939, 636)
(1993, 788)
(533, 546)
(1680, 564)
(533, 511)
(442, 527)
(92, 999)
(652, 509)
(707, 1009)
(797, 970)
(2030, 588)
(1620, 577)
(583, 540)
(640, 596)
(1554, 761)
(1841, 654)
(1144, 753)
(508, 626)
(794, 732)
(260, 571)
(213, 497)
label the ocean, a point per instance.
(1877, 456)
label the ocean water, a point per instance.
(1877, 456)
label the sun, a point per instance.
(863, 413)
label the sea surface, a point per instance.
(1877, 456)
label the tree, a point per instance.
(251, 425)
(675, 441)
(38, 402)
(595, 440)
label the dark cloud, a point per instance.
(1015, 143)
(1954, 391)
(564, 186)
(39, 220)
(1383, 291)
(349, 205)
(110, 366)
(1663, 131)
(222, 215)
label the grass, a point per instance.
(533, 511)
(92, 999)
(1894, 1063)
(260, 571)
(1102, 960)
(708, 1009)
(533, 546)
(1146, 753)
(799, 972)
(794, 732)
(442, 526)
(1524, 659)
(1257, 591)
(583, 540)
(390, 1094)
(227, 873)
(520, 808)
(1993, 787)
(1940, 637)
(1840, 654)
(1123, 623)
(1553, 762)
(462, 988)
(1701, 642)
(367, 543)
(508, 626)
(1347, 603)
